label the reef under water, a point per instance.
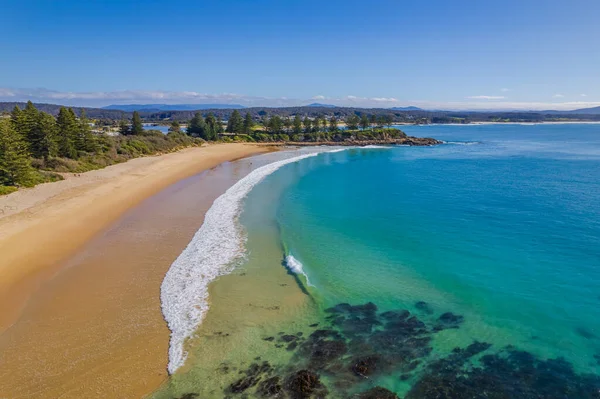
(347, 356)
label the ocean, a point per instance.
(449, 271)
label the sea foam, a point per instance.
(296, 267)
(211, 253)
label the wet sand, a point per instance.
(93, 326)
(41, 226)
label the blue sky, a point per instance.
(479, 54)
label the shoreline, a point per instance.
(92, 322)
(60, 217)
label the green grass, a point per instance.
(5, 190)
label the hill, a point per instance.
(341, 113)
(581, 111)
(587, 111)
(411, 108)
(170, 107)
(319, 105)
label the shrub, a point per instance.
(5, 190)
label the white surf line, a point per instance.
(210, 253)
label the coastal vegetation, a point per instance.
(36, 146)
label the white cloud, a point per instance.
(583, 95)
(318, 98)
(486, 97)
(504, 90)
(557, 96)
(384, 99)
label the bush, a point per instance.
(5, 190)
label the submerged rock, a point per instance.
(243, 383)
(365, 366)
(305, 384)
(358, 345)
(322, 347)
(271, 387)
(378, 393)
(424, 307)
(507, 374)
(253, 375)
(449, 320)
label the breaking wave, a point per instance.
(211, 253)
(296, 267)
(462, 142)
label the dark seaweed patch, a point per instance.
(359, 345)
(271, 387)
(252, 376)
(378, 393)
(585, 333)
(507, 374)
(305, 384)
(423, 307)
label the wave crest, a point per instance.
(296, 267)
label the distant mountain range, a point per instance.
(170, 107)
(321, 105)
(582, 111)
(411, 108)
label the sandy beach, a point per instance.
(81, 267)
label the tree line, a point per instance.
(34, 144)
(30, 133)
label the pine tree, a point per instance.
(175, 127)
(17, 119)
(373, 120)
(235, 123)
(287, 124)
(212, 127)
(123, 127)
(248, 123)
(67, 131)
(220, 128)
(297, 124)
(85, 139)
(307, 124)
(364, 122)
(30, 118)
(275, 124)
(316, 124)
(333, 124)
(136, 124)
(197, 127)
(15, 166)
(46, 146)
(352, 122)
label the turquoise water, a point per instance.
(501, 225)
